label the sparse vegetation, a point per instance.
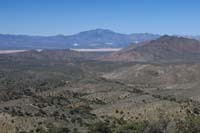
(59, 96)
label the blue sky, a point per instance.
(50, 17)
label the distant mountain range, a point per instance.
(99, 38)
(164, 49)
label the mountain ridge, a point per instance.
(98, 38)
(165, 49)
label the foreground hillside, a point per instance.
(59, 91)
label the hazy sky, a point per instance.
(50, 17)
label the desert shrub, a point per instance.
(99, 127)
(53, 129)
(41, 130)
(22, 132)
(121, 112)
(64, 130)
(131, 127)
(196, 110)
(75, 130)
(116, 111)
(115, 125)
(79, 120)
(98, 101)
(189, 125)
